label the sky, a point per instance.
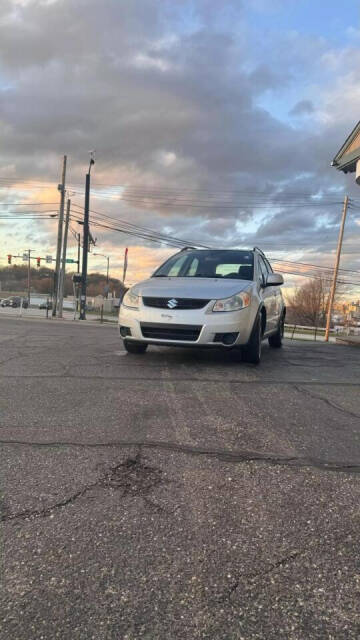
(214, 122)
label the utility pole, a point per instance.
(63, 263)
(61, 188)
(82, 315)
(28, 279)
(77, 237)
(336, 268)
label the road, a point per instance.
(177, 494)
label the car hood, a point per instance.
(209, 288)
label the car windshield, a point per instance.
(238, 265)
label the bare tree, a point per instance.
(308, 304)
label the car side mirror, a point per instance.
(274, 280)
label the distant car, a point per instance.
(14, 302)
(211, 298)
(47, 304)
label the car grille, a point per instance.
(182, 303)
(155, 331)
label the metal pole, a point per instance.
(78, 260)
(78, 236)
(107, 276)
(61, 188)
(28, 282)
(85, 249)
(75, 300)
(336, 268)
(63, 263)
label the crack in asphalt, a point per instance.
(132, 476)
(41, 513)
(280, 563)
(332, 404)
(252, 577)
(224, 455)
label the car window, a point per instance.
(210, 263)
(176, 267)
(227, 269)
(263, 272)
(193, 267)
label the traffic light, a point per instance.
(38, 262)
(9, 258)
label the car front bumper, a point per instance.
(202, 328)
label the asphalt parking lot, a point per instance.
(177, 494)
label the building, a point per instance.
(347, 158)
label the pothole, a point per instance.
(132, 477)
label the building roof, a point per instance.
(347, 156)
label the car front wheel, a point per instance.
(275, 341)
(135, 347)
(252, 351)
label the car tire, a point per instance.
(275, 341)
(252, 351)
(135, 347)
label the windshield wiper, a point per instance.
(204, 275)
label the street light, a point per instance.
(107, 270)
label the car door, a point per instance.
(268, 295)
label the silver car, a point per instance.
(206, 298)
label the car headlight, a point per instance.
(236, 302)
(130, 299)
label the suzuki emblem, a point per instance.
(172, 303)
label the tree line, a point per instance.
(14, 279)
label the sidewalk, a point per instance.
(28, 317)
(353, 340)
(307, 336)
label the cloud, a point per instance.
(303, 107)
(171, 95)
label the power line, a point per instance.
(170, 190)
(142, 229)
(278, 260)
(298, 273)
(145, 236)
(28, 217)
(308, 264)
(28, 204)
(161, 203)
(183, 197)
(307, 275)
(159, 236)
